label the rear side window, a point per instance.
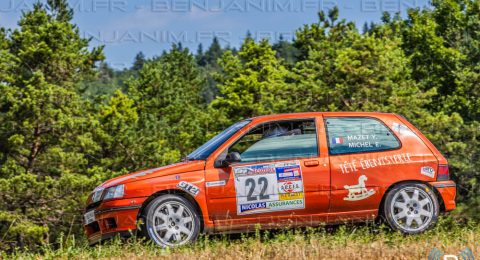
(359, 134)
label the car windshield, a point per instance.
(206, 149)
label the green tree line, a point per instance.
(68, 121)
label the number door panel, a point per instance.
(264, 192)
(247, 195)
(269, 187)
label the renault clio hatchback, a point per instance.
(279, 171)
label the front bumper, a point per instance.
(448, 191)
(114, 217)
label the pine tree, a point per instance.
(443, 45)
(200, 56)
(286, 51)
(252, 83)
(138, 62)
(167, 96)
(348, 71)
(213, 53)
(48, 58)
(209, 66)
(311, 36)
(41, 115)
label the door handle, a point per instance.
(311, 163)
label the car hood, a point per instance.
(176, 168)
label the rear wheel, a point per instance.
(411, 208)
(171, 220)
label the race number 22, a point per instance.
(251, 184)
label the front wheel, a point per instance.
(411, 208)
(171, 220)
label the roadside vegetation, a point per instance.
(336, 242)
(68, 121)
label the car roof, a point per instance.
(313, 114)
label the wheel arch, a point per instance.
(177, 192)
(439, 197)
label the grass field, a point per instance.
(341, 242)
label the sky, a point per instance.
(126, 27)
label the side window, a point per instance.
(278, 140)
(358, 134)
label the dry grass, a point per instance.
(305, 247)
(352, 242)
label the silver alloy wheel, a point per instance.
(412, 209)
(173, 224)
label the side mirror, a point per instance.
(232, 157)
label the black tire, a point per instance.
(410, 213)
(166, 226)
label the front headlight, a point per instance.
(97, 194)
(114, 192)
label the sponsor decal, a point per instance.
(337, 140)
(359, 191)
(290, 172)
(286, 204)
(291, 196)
(363, 164)
(215, 183)
(361, 141)
(357, 141)
(188, 187)
(401, 128)
(361, 137)
(269, 187)
(253, 206)
(257, 169)
(290, 186)
(427, 171)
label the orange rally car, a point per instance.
(277, 171)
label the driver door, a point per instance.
(283, 177)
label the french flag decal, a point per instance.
(337, 140)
